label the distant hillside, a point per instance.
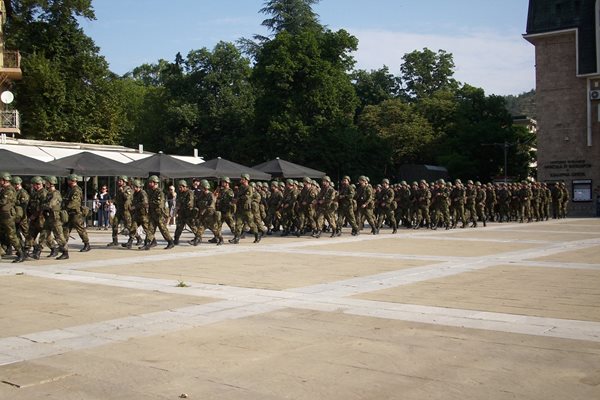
(523, 104)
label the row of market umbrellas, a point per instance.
(163, 165)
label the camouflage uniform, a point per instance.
(72, 204)
(346, 206)
(122, 202)
(184, 210)
(288, 205)
(208, 217)
(273, 219)
(8, 199)
(307, 201)
(365, 202)
(21, 220)
(326, 207)
(387, 206)
(139, 212)
(243, 214)
(440, 199)
(53, 222)
(157, 214)
(225, 204)
(457, 204)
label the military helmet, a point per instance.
(37, 179)
(457, 182)
(443, 182)
(477, 183)
(326, 179)
(362, 178)
(245, 176)
(289, 181)
(205, 184)
(138, 183)
(225, 179)
(5, 175)
(51, 180)
(469, 182)
(154, 179)
(385, 180)
(16, 180)
(182, 182)
(403, 182)
(346, 177)
(422, 181)
(73, 177)
(123, 178)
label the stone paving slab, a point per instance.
(465, 314)
(589, 255)
(254, 269)
(514, 289)
(31, 304)
(315, 355)
(428, 247)
(519, 234)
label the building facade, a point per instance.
(566, 36)
(10, 71)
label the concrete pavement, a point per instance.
(511, 311)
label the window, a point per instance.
(582, 190)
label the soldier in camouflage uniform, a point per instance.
(387, 206)
(157, 214)
(288, 207)
(504, 197)
(326, 207)
(564, 204)
(346, 206)
(272, 221)
(365, 202)
(480, 195)
(72, 205)
(8, 200)
(423, 202)
(547, 201)
(122, 202)
(524, 195)
(36, 217)
(53, 222)
(307, 201)
(256, 208)
(184, 210)
(139, 212)
(243, 214)
(490, 201)
(440, 202)
(403, 212)
(225, 204)
(208, 217)
(457, 204)
(21, 220)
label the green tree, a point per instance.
(373, 87)
(305, 97)
(67, 92)
(405, 132)
(425, 72)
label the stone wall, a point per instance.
(561, 98)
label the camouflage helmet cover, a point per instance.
(37, 179)
(154, 179)
(182, 182)
(16, 180)
(51, 180)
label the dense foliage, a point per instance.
(294, 94)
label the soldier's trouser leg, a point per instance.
(7, 225)
(76, 222)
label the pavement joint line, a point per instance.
(241, 302)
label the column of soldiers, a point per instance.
(41, 217)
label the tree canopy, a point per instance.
(294, 94)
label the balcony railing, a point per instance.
(11, 59)
(10, 120)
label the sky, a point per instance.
(484, 36)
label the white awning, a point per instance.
(28, 151)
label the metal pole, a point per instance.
(505, 161)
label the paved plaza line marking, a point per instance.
(242, 302)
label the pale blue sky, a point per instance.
(483, 35)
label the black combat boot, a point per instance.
(115, 242)
(129, 243)
(213, 240)
(37, 250)
(170, 245)
(53, 252)
(86, 247)
(20, 256)
(220, 241)
(138, 240)
(235, 240)
(153, 243)
(64, 255)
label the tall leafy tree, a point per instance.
(373, 87)
(405, 132)
(304, 93)
(425, 72)
(67, 92)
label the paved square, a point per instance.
(503, 312)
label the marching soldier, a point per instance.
(8, 201)
(365, 201)
(326, 207)
(72, 205)
(184, 210)
(54, 219)
(225, 204)
(157, 214)
(139, 212)
(243, 214)
(386, 206)
(346, 206)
